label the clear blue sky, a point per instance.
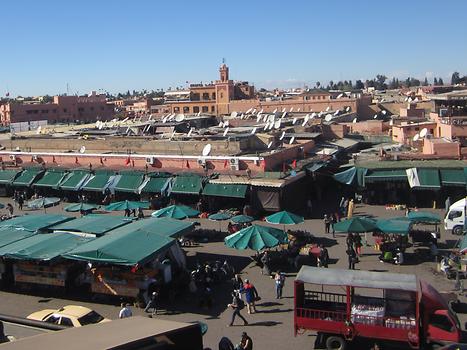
(150, 44)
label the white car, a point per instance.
(70, 316)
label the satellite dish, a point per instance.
(97, 124)
(284, 114)
(271, 125)
(253, 131)
(241, 116)
(254, 111)
(265, 118)
(336, 112)
(354, 120)
(258, 118)
(292, 139)
(423, 132)
(347, 109)
(248, 110)
(261, 111)
(283, 110)
(328, 118)
(190, 132)
(233, 115)
(340, 95)
(180, 117)
(294, 120)
(226, 131)
(328, 108)
(313, 115)
(199, 113)
(124, 120)
(277, 124)
(226, 123)
(416, 137)
(291, 109)
(298, 110)
(206, 150)
(82, 149)
(384, 112)
(282, 136)
(38, 131)
(375, 116)
(271, 118)
(269, 144)
(221, 125)
(275, 111)
(304, 122)
(307, 118)
(391, 122)
(266, 126)
(101, 125)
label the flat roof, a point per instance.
(108, 335)
(357, 278)
(404, 164)
(453, 95)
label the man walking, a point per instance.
(251, 294)
(152, 304)
(323, 256)
(327, 223)
(236, 305)
(279, 280)
(352, 256)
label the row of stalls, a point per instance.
(417, 184)
(269, 192)
(100, 254)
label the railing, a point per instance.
(322, 296)
(321, 314)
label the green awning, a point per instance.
(27, 177)
(7, 176)
(129, 182)
(9, 235)
(35, 222)
(353, 176)
(382, 175)
(98, 182)
(155, 184)
(187, 185)
(429, 179)
(452, 177)
(43, 246)
(75, 180)
(51, 178)
(220, 190)
(93, 223)
(424, 217)
(136, 243)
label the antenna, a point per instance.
(292, 139)
(277, 124)
(298, 110)
(375, 116)
(294, 120)
(266, 126)
(291, 109)
(283, 110)
(226, 131)
(253, 131)
(258, 118)
(190, 132)
(327, 108)
(336, 112)
(275, 111)
(354, 120)
(269, 144)
(206, 150)
(282, 136)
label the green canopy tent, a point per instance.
(176, 212)
(128, 182)
(225, 190)
(51, 179)
(43, 246)
(94, 224)
(132, 244)
(256, 237)
(187, 184)
(35, 222)
(44, 202)
(80, 207)
(423, 217)
(399, 226)
(127, 205)
(99, 182)
(27, 177)
(355, 225)
(220, 217)
(7, 176)
(353, 176)
(242, 219)
(75, 180)
(9, 235)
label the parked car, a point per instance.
(70, 316)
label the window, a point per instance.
(65, 110)
(53, 319)
(195, 97)
(176, 109)
(186, 109)
(90, 318)
(80, 109)
(205, 109)
(213, 95)
(454, 214)
(65, 321)
(417, 128)
(205, 96)
(195, 109)
(222, 95)
(213, 109)
(442, 322)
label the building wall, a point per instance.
(374, 127)
(441, 149)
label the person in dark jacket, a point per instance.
(324, 256)
(237, 305)
(352, 256)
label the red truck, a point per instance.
(391, 308)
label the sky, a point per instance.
(120, 45)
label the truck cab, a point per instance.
(455, 217)
(346, 305)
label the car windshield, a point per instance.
(92, 317)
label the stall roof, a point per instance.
(357, 278)
(51, 178)
(129, 182)
(188, 184)
(154, 184)
(9, 235)
(98, 182)
(219, 190)
(424, 217)
(43, 246)
(27, 177)
(400, 226)
(453, 177)
(75, 180)
(7, 176)
(93, 223)
(132, 244)
(382, 175)
(35, 222)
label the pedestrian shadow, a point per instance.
(265, 323)
(269, 303)
(273, 311)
